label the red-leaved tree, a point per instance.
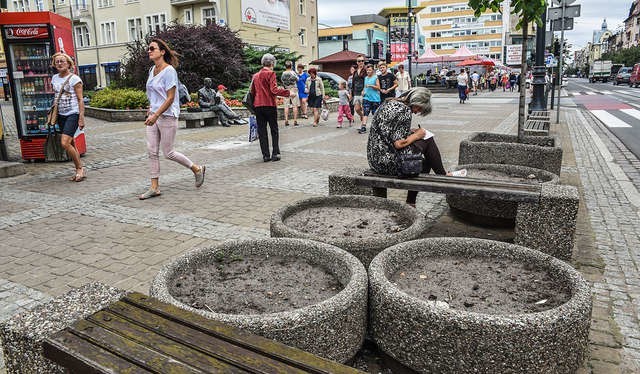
(205, 51)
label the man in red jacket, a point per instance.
(265, 90)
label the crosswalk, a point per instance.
(613, 108)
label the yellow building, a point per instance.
(102, 28)
(449, 24)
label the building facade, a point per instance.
(449, 24)
(367, 35)
(632, 26)
(102, 28)
(600, 42)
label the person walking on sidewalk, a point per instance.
(343, 104)
(289, 80)
(370, 97)
(388, 82)
(404, 81)
(314, 87)
(265, 91)
(163, 113)
(357, 86)
(70, 108)
(463, 81)
(302, 81)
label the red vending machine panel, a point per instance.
(30, 39)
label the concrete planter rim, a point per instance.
(580, 290)
(413, 231)
(358, 279)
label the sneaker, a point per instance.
(362, 130)
(459, 173)
(200, 176)
(295, 123)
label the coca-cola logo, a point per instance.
(27, 32)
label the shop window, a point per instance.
(111, 72)
(88, 75)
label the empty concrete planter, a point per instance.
(430, 336)
(333, 328)
(540, 152)
(480, 208)
(364, 248)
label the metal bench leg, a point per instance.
(550, 224)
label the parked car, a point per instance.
(634, 78)
(332, 78)
(623, 75)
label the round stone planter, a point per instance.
(333, 328)
(429, 336)
(366, 248)
(477, 209)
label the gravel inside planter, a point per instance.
(362, 225)
(431, 336)
(477, 209)
(333, 328)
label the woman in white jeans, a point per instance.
(162, 117)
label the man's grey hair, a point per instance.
(418, 96)
(268, 60)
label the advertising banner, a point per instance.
(269, 13)
(399, 51)
(514, 54)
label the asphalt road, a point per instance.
(617, 107)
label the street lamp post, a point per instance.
(539, 83)
(409, 16)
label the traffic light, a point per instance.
(556, 47)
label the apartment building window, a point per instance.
(108, 32)
(208, 16)
(156, 22)
(21, 5)
(188, 17)
(80, 4)
(40, 5)
(82, 36)
(105, 3)
(134, 25)
(303, 37)
(302, 6)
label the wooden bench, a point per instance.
(198, 119)
(499, 190)
(545, 216)
(143, 335)
(538, 123)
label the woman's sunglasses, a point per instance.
(151, 48)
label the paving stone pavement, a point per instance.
(56, 235)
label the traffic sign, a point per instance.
(569, 11)
(568, 24)
(566, 2)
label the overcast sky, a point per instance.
(337, 13)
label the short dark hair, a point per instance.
(312, 71)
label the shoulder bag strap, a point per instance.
(62, 89)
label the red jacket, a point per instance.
(265, 88)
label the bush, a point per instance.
(121, 98)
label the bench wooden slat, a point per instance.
(76, 355)
(145, 356)
(281, 352)
(201, 345)
(463, 186)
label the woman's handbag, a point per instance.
(324, 114)
(408, 163)
(53, 150)
(248, 99)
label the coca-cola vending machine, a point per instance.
(30, 39)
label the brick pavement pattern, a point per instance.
(56, 234)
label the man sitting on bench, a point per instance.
(208, 100)
(391, 133)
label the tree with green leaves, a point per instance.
(528, 11)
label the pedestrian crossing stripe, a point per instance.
(606, 92)
(609, 119)
(591, 93)
(632, 112)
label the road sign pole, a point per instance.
(561, 62)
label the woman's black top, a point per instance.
(391, 122)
